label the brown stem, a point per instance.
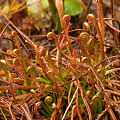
(110, 111)
(103, 112)
(113, 22)
(57, 108)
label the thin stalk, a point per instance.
(41, 62)
(93, 19)
(113, 22)
(22, 59)
(70, 104)
(57, 107)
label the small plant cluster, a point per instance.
(76, 80)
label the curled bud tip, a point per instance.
(90, 17)
(32, 91)
(86, 26)
(15, 51)
(14, 33)
(84, 36)
(66, 18)
(51, 35)
(84, 59)
(49, 99)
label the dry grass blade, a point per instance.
(70, 103)
(28, 116)
(9, 106)
(103, 112)
(85, 102)
(3, 114)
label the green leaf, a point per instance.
(72, 7)
(100, 105)
(34, 6)
(88, 88)
(64, 74)
(44, 113)
(45, 3)
(24, 92)
(3, 62)
(43, 80)
(95, 107)
(17, 91)
(31, 71)
(6, 8)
